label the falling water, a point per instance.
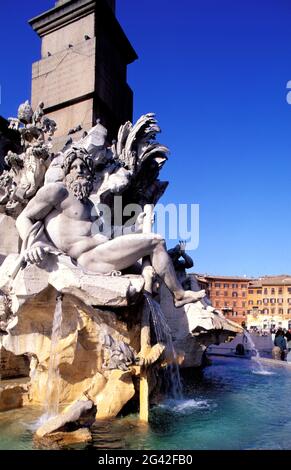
(164, 336)
(260, 369)
(53, 381)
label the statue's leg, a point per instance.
(119, 253)
(164, 267)
(124, 251)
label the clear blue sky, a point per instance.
(215, 73)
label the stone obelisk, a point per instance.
(81, 75)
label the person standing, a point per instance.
(280, 342)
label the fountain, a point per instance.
(72, 365)
(82, 207)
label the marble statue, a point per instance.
(121, 356)
(26, 170)
(67, 214)
(181, 261)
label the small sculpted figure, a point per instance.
(26, 170)
(181, 262)
(68, 218)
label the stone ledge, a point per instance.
(13, 396)
(65, 277)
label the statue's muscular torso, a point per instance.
(68, 221)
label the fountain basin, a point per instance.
(217, 412)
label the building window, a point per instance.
(259, 302)
(280, 311)
(280, 301)
(273, 310)
(243, 304)
(242, 286)
(217, 293)
(289, 290)
(280, 292)
(259, 291)
(244, 294)
(272, 291)
(234, 294)
(217, 284)
(251, 291)
(225, 286)
(266, 311)
(234, 286)
(289, 300)
(266, 301)
(251, 302)
(265, 291)
(273, 301)
(289, 311)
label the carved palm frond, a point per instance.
(136, 143)
(139, 152)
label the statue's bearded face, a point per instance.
(79, 180)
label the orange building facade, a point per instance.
(261, 303)
(269, 302)
(230, 295)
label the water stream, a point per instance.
(163, 335)
(260, 369)
(53, 382)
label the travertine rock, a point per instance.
(80, 346)
(13, 396)
(58, 440)
(117, 392)
(69, 415)
(12, 366)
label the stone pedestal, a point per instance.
(82, 72)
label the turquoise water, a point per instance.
(230, 405)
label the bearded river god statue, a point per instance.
(105, 338)
(68, 214)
